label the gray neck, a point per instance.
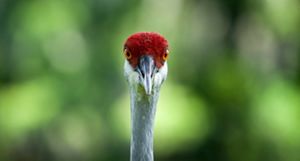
(143, 110)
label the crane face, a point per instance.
(145, 66)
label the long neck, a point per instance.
(143, 110)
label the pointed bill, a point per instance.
(146, 68)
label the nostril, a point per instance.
(143, 74)
(140, 72)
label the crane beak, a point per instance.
(145, 69)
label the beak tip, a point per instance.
(148, 85)
(147, 89)
(148, 92)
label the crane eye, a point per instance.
(127, 54)
(165, 56)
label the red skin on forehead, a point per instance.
(146, 43)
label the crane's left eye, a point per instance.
(165, 56)
(127, 54)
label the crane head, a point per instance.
(146, 56)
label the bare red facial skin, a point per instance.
(146, 43)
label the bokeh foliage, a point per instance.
(232, 92)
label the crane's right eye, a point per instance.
(127, 54)
(166, 54)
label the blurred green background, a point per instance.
(232, 92)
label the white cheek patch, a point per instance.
(160, 76)
(131, 76)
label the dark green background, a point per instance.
(232, 92)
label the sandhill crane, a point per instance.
(145, 69)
